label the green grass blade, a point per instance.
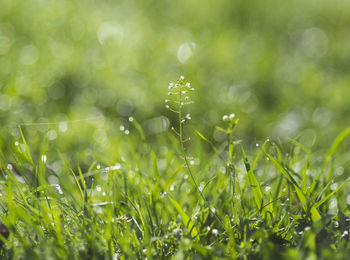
(138, 128)
(315, 215)
(208, 141)
(185, 219)
(335, 145)
(331, 194)
(29, 156)
(254, 184)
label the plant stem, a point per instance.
(186, 161)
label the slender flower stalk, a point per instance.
(182, 89)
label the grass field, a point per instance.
(107, 152)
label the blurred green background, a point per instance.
(281, 66)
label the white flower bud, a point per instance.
(182, 77)
(225, 117)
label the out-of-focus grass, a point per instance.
(282, 67)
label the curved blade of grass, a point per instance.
(254, 184)
(74, 176)
(29, 156)
(331, 194)
(315, 215)
(335, 145)
(185, 219)
(138, 128)
(331, 151)
(208, 141)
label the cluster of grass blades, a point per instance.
(274, 202)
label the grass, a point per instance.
(174, 198)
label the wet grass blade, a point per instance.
(315, 215)
(254, 184)
(185, 219)
(335, 145)
(29, 156)
(331, 194)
